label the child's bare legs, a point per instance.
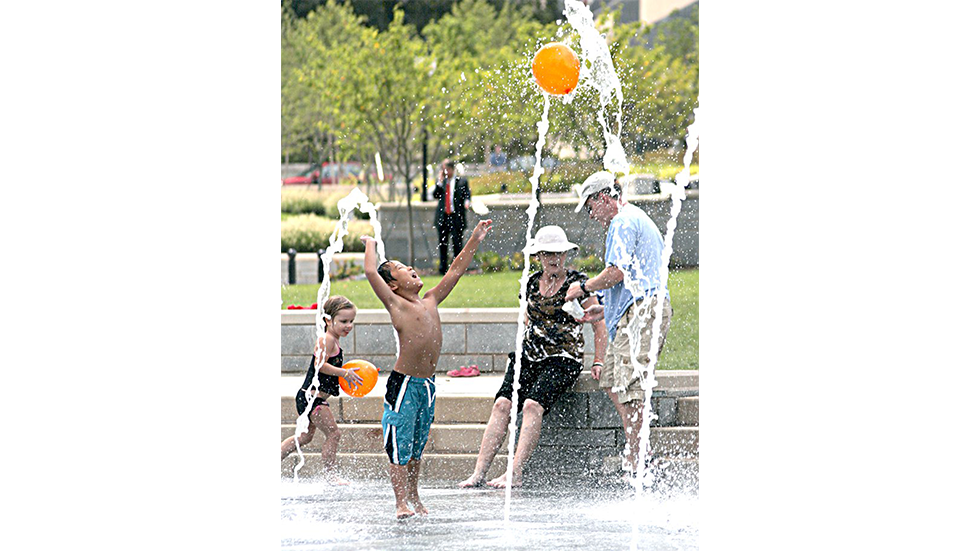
(323, 419)
(289, 445)
(493, 437)
(530, 433)
(414, 467)
(399, 483)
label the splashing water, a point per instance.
(645, 475)
(532, 210)
(677, 195)
(356, 199)
(599, 73)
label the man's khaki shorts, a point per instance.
(618, 373)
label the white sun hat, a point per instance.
(550, 239)
(597, 182)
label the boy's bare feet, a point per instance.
(403, 512)
(473, 481)
(336, 480)
(501, 482)
(419, 508)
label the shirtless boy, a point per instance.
(409, 404)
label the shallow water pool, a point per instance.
(362, 516)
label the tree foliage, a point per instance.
(463, 84)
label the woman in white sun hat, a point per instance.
(551, 359)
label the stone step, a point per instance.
(674, 442)
(368, 409)
(453, 409)
(367, 438)
(687, 411)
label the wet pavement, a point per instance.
(361, 516)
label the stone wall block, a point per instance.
(570, 411)
(454, 338)
(602, 412)
(374, 339)
(553, 436)
(491, 338)
(296, 339)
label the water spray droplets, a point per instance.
(356, 199)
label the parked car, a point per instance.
(328, 173)
(308, 176)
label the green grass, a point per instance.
(499, 290)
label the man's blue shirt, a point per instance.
(635, 246)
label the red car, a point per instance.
(331, 173)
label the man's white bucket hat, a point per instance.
(550, 239)
(597, 182)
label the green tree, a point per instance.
(350, 89)
(482, 78)
(314, 92)
(660, 87)
(419, 13)
(389, 89)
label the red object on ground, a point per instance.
(466, 371)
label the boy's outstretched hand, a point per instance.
(367, 239)
(481, 230)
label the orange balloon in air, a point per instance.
(555, 67)
(366, 371)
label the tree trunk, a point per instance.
(411, 225)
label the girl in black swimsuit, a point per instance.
(338, 313)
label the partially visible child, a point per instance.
(409, 403)
(338, 313)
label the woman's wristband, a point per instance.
(600, 364)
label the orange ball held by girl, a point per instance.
(366, 371)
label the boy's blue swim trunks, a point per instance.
(409, 409)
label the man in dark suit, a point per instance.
(452, 194)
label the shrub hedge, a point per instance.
(309, 233)
(560, 179)
(307, 200)
(301, 204)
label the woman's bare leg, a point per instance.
(493, 437)
(530, 434)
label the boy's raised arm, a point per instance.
(371, 271)
(458, 267)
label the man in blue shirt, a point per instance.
(628, 286)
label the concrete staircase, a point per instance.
(581, 436)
